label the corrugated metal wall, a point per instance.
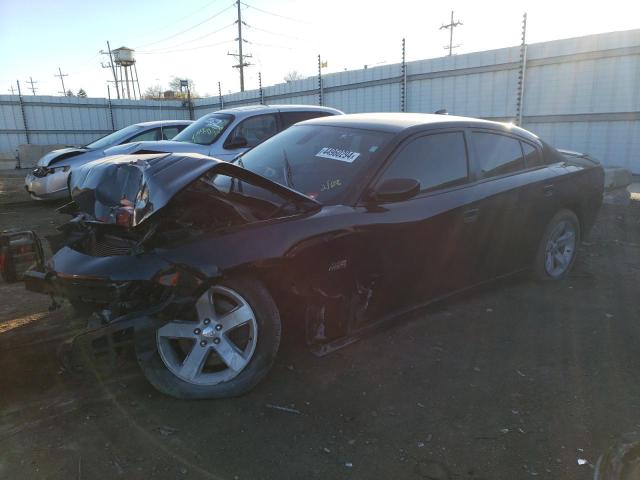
(580, 93)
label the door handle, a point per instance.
(547, 190)
(471, 215)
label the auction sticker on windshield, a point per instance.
(337, 154)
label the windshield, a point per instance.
(206, 130)
(319, 161)
(116, 137)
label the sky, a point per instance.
(192, 38)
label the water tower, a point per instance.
(126, 63)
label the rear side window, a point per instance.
(167, 133)
(497, 154)
(149, 135)
(436, 161)
(289, 118)
(532, 157)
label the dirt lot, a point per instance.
(517, 380)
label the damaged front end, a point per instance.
(125, 258)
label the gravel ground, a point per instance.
(514, 380)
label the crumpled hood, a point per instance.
(147, 182)
(168, 146)
(56, 156)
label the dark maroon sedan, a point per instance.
(336, 225)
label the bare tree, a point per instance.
(174, 85)
(292, 76)
(154, 91)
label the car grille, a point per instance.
(109, 246)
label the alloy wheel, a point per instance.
(217, 346)
(560, 248)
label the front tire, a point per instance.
(557, 248)
(224, 351)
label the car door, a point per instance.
(539, 201)
(421, 246)
(247, 134)
(500, 171)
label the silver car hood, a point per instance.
(56, 156)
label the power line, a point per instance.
(270, 45)
(189, 28)
(450, 27)
(276, 33)
(173, 22)
(278, 15)
(185, 49)
(159, 50)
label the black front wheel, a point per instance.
(225, 351)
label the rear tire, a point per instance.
(227, 369)
(556, 252)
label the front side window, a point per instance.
(115, 138)
(255, 130)
(319, 161)
(497, 154)
(436, 161)
(205, 130)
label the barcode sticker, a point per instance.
(338, 154)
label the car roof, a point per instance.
(254, 109)
(398, 122)
(157, 123)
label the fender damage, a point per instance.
(149, 233)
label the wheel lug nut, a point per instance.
(216, 340)
(218, 327)
(207, 321)
(203, 343)
(197, 331)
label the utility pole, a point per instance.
(450, 26)
(11, 90)
(24, 115)
(221, 100)
(241, 58)
(403, 85)
(319, 81)
(522, 71)
(260, 87)
(61, 75)
(33, 89)
(112, 67)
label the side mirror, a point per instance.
(235, 142)
(395, 190)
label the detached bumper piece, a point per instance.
(90, 290)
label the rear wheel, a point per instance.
(557, 249)
(225, 351)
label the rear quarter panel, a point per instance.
(579, 188)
